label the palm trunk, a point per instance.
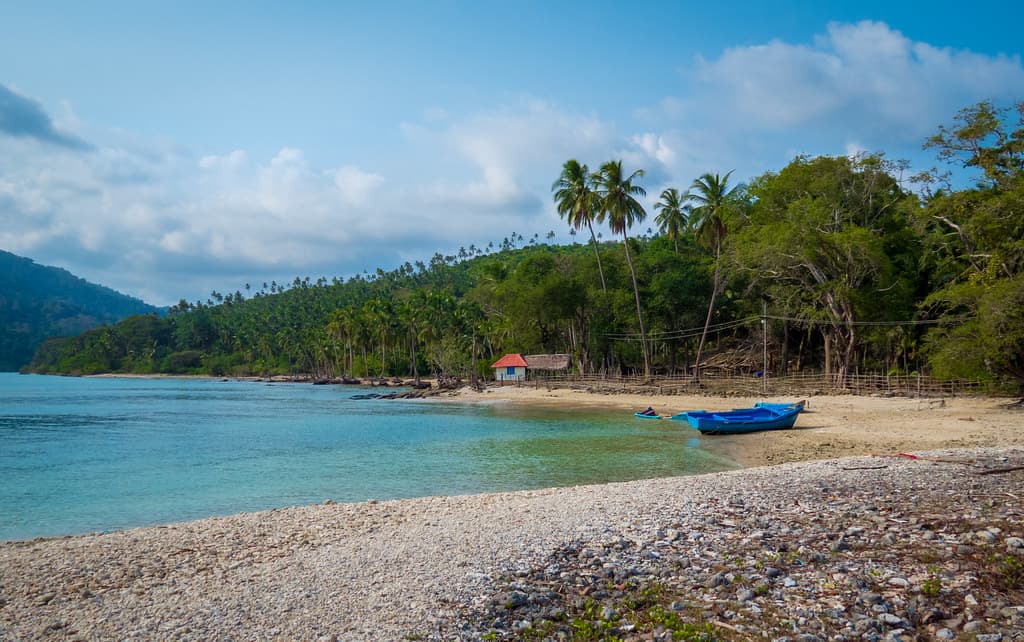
(707, 322)
(600, 270)
(412, 350)
(639, 313)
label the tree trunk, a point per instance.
(639, 312)
(600, 270)
(707, 321)
(784, 366)
(472, 375)
(415, 366)
(828, 355)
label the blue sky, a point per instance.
(169, 149)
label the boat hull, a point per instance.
(640, 415)
(733, 422)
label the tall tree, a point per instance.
(578, 204)
(832, 229)
(673, 213)
(977, 239)
(714, 198)
(619, 204)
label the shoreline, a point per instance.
(832, 425)
(800, 538)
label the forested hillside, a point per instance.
(854, 266)
(37, 302)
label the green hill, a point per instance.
(37, 301)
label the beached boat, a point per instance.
(799, 405)
(731, 422)
(641, 415)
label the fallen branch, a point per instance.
(944, 460)
(726, 626)
(863, 467)
(997, 471)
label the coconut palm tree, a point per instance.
(673, 214)
(714, 198)
(618, 204)
(578, 204)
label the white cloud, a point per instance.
(355, 185)
(656, 147)
(231, 161)
(863, 76)
(861, 87)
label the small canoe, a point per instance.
(744, 420)
(799, 405)
(641, 415)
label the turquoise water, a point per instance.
(82, 455)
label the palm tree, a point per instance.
(618, 203)
(673, 213)
(578, 204)
(713, 196)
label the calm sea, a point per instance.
(82, 455)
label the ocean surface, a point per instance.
(93, 454)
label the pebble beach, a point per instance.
(879, 546)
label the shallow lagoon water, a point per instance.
(80, 455)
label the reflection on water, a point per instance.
(91, 454)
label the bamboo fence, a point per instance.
(803, 384)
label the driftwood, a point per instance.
(997, 471)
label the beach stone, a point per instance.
(945, 634)
(1014, 543)
(989, 637)
(449, 568)
(716, 580)
(985, 536)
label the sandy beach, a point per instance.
(832, 426)
(862, 547)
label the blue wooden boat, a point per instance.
(799, 405)
(732, 422)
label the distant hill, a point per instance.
(37, 301)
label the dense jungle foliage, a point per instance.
(37, 302)
(859, 268)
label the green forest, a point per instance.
(37, 301)
(856, 265)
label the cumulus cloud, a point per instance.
(355, 185)
(855, 77)
(23, 117)
(854, 88)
